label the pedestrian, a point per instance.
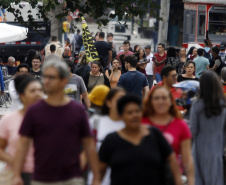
(190, 53)
(11, 66)
(207, 124)
(172, 58)
(36, 70)
(149, 67)
(142, 61)
(96, 38)
(201, 63)
(30, 55)
(136, 154)
(95, 77)
(161, 112)
(57, 147)
(66, 54)
(189, 72)
(136, 49)
(109, 121)
(126, 51)
(104, 51)
(114, 74)
(76, 88)
(59, 48)
(53, 56)
(159, 61)
(222, 52)
(30, 91)
(77, 41)
(68, 44)
(182, 61)
(82, 68)
(216, 63)
(194, 54)
(2, 12)
(207, 47)
(16, 103)
(133, 81)
(66, 29)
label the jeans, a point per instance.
(150, 81)
(158, 77)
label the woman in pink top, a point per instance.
(30, 91)
(161, 112)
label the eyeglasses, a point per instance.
(50, 77)
(36, 61)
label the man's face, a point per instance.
(23, 70)
(171, 78)
(66, 51)
(52, 82)
(147, 51)
(109, 39)
(160, 48)
(126, 47)
(11, 64)
(36, 63)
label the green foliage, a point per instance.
(97, 9)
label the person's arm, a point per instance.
(159, 63)
(12, 91)
(187, 160)
(21, 153)
(145, 91)
(90, 149)
(103, 168)
(216, 65)
(5, 157)
(109, 57)
(172, 161)
(111, 75)
(209, 43)
(86, 99)
(208, 67)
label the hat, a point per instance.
(223, 45)
(147, 47)
(98, 94)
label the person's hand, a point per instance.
(17, 181)
(95, 182)
(112, 68)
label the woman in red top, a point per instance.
(160, 111)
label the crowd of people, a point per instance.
(114, 121)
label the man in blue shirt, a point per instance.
(2, 12)
(201, 63)
(133, 81)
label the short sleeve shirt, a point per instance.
(133, 82)
(75, 87)
(57, 133)
(136, 164)
(103, 49)
(175, 132)
(158, 69)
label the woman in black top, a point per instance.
(136, 154)
(189, 75)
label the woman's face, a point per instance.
(66, 42)
(132, 115)
(115, 63)
(182, 52)
(190, 69)
(141, 52)
(112, 104)
(32, 93)
(95, 68)
(137, 49)
(194, 52)
(161, 101)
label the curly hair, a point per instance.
(148, 109)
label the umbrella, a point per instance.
(11, 33)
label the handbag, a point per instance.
(6, 177)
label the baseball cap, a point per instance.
(147, 47)
(98, 94)
(223, 45)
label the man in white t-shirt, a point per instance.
(149, 67)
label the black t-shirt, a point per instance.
(136, 164)
(103, 49)
(36, 74)
(181, 78)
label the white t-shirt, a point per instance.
(16, 103)
(104, 126)
(149, 67)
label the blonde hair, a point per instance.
(82, 58)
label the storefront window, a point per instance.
(202, 20)
(217, 23)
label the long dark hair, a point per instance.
(172, 52)
(99, 65)
(190, 52)
(105, 109)
(138, 54)
(211, 91)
